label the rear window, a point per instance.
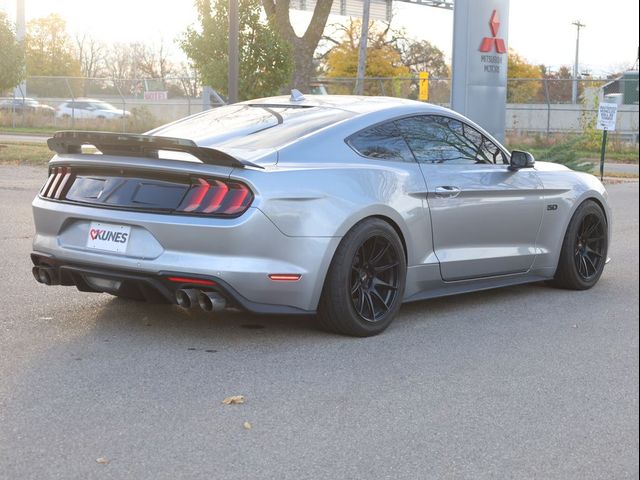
(259, 126)
(382, 142)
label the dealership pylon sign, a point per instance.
(480, 58)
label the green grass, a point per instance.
(29, 130)
(24, 153)
(575, 145)
(620, 157)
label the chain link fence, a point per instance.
(534, 106)
(99, 103)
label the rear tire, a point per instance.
(584, 249)
(365, 285)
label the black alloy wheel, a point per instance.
(364, 287)
(590, 247)
(374, 278)
(584, 249)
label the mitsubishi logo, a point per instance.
(489, 43)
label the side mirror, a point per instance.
(520, 160)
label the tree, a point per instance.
(559, 85)
(423, 56)
(522, 91)
(49, 51)
(304, 47)
(121, 59)
(265, 58)
(91, 55)
(11, 56)
(383, 58)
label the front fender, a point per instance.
(568, 190)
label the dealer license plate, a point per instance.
(109, 237)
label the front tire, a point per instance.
(584, 250)
(365, 284)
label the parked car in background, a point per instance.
(25, 105)
(87, 108)
(318, 89)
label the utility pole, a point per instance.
(362, 53)
(21, 31)
(576, 71)
(234, 51)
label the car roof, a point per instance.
(352, 103)
(86, 100)
(291, 121)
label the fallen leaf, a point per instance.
(247, 425)
(234, 399)
(102, 460)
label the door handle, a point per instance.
(447, 191)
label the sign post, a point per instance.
(607, 113)
(423, 94)
(480, 60)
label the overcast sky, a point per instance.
(539, 30)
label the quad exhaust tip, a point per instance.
(187, 297)
(45, 275)
(207, 301)
(211, 301)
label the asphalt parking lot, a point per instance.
(522, 382)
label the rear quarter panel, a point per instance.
(324, 192)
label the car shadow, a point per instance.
(119, 314)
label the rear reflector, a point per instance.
(193, 281)
(285, 277)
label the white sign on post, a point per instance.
(607, 113)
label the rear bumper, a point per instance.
(238, 254)
(155, 288)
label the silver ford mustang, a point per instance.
(339, 206)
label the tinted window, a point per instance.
(383, 141)
(103, 106)
(247, 126)
(491, 151)
(437, 139)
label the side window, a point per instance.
(438, 139)
(78, 105)
(492, 152)
(382, 142)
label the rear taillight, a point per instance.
(202, 196)
(58, 183)
(216, 197)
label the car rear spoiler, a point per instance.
(127, 144)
